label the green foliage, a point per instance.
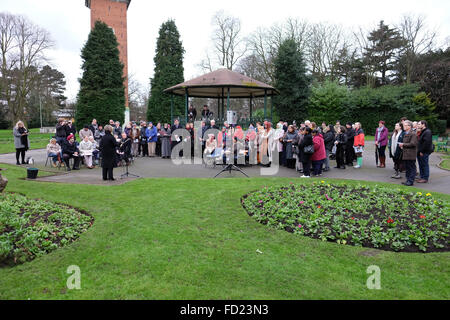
(330, 101)
(31, 228)
(258, 115)
(327, 102)
(431, 72)
(371, 217)
(292, 82)
(169, 71)
(102, 92)
(387, 103)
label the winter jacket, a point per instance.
(328, 139)
(61, 131)
(410, 143)
(319, 148)
(107, 147)
(53, 148)
(152, 134)
(359, 138)
(383, 140)
(85, 133)
(306, 141)
(425, 142)
(19, 141)
(70, 148)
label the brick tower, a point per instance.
(114, 14)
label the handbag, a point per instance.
(333, 150)
(308, 149)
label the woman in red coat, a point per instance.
(319, 154)
(358, 145)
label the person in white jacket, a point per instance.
(267, 144)
(86, 150)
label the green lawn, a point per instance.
(445, 162)
(191, 239)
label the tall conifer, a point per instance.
(169, 71)
(102, 92)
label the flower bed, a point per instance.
(377, 217)
(31, 228)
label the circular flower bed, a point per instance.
(377, 217)
(31, 228)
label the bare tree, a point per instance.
(419, 40)
(138, 98)
(264, 42)
(229, 45)
(361, 38)
(323, 46)
(23, 46)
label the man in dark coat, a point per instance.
(108, 146)
(349, 151)
(424, 149)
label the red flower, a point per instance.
(353, 218)
(422, 217)
(319, 207)
(390, 220)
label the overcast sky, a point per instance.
(68, 21)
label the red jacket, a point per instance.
(319, 148)
(359, 138)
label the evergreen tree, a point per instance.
(386, 45)
(292, 82)
(102, 92)
(169, 71)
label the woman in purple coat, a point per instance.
(381, 141)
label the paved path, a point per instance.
(164, 168)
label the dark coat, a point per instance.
(61, 131)
(69, 148)
(71, 130)
(108, 146)
(307, 141)
(410, 143)
(425, 142)
(328, 139)
(289, 151)
(350, 133)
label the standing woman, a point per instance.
(358, 145)
(278, 139)
(267, 144)
(21, 142)
(394, 151)
(341, 143)
(306, 148)
(165, 135)
(108, 146)
(290, 139)
(134, 134)
(381, 141)
(328, 138)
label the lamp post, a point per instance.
(40, 109)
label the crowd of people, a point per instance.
(307, 147)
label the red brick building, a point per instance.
(114, 14)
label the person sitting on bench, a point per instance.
(70, 150)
